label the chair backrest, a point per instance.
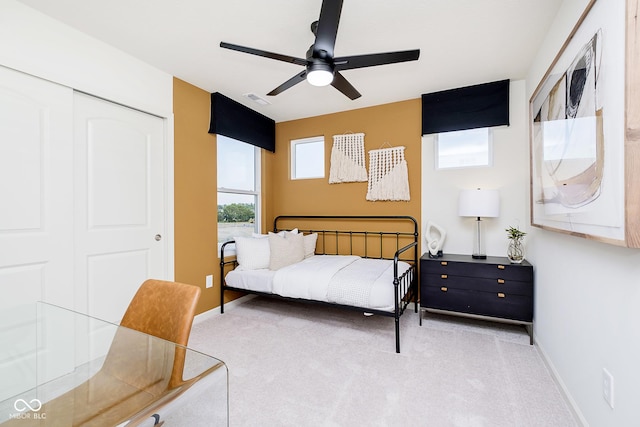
(163, 309)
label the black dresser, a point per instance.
(490, 289)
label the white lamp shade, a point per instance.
(479, 203)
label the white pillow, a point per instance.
(285, 250)
(279, 233)
(252, 253)
(310, 244)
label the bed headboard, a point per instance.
(372, 236)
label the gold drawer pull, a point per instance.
(501, 295)
(501, 267)
(444, 289)
(443, 276)
(443, 263)
(501, 281)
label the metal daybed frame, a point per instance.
(346, 243)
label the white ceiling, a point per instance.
(462, 42)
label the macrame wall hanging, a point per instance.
(388, 175)
(347, 159)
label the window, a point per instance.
(465, 148)
(238, 189)
(307, 158)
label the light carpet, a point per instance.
(293, 364)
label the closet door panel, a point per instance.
(36, 191)
(36, 225)
(119, 165)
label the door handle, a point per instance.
(158, 237)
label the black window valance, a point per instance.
(234, 120)
(470, 107)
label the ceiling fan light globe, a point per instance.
(320, 77)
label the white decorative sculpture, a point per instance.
(434, 242)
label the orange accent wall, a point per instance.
(398, 124)
(195, 190)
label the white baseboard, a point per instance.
(216, 311)
(573, 406)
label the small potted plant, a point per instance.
(515, 251)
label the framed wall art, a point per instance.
(585, 130)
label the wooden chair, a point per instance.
(138, 370)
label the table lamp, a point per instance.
(479, 204)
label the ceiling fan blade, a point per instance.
(300, 77)
(340, 83)
(327, 28)
(264, 53)
(371, 60)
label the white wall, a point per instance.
(36, 44)
(440, 188)
(587, 299)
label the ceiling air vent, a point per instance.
(256, 98)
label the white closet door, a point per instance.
(36, 225)
(36, 191)
(119, 204)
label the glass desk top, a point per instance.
(62, 368)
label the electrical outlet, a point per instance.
(607, 387)
(209, 281)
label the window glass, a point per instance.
(236, 216)
(236, 164)
(307, 158)
(465, 148)
(238, 188)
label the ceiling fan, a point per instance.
(321, 68)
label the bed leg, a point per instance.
(416, 287)
(222, 281)
(222, 297)
(397, 335)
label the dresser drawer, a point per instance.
(477, 284)
(499, 304)
(479, 270)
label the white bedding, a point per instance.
(365, 283)
(309, 279)
(348, 280)
(251, 280)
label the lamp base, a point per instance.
(479, 251)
